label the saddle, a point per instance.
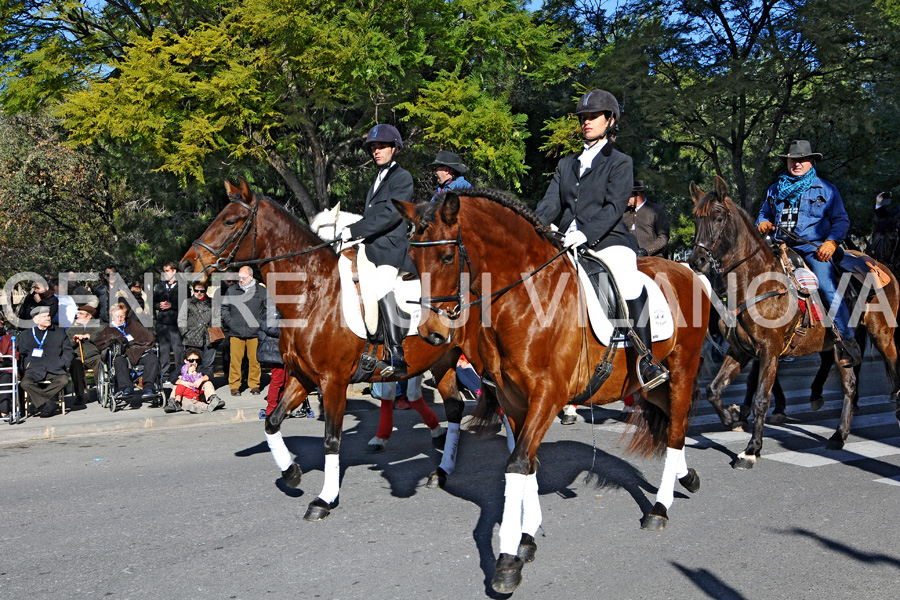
(604, 285)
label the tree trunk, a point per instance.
(307, 204)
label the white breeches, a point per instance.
(622, 263)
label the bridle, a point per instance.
(464, 263)
(714, 266)
(222, 263)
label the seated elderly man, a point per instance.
(136, 342)
(82, 335)
(44, 353)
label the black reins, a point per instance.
(464, 263)
(224, 263)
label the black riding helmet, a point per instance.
(386, 134)
(596, 101)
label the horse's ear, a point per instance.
(231, 189)
(721, 189)
(246, 194)
(407, 210)
(450, 208)
(696, 193)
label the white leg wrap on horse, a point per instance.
(511, 526)
(279, 451)
(331, 487)
(531, 506)
(510, 438)
(666, 493)
(451, 445)
(569, 409)
(682, 469)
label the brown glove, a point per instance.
(765, 227)
(826, 250)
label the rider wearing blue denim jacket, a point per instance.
(811, 208)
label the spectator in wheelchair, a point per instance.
(138, 346)
(45, 354)
(83, 335)
(191, 387)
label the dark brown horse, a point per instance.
(727, 245)
(318, 348)
(532, 347)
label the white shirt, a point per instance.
(381, 175)
(589, 154)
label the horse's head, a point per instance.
(230, 238)
(436, 246)
(329, 223)
(717, 223)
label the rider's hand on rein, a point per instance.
(826, 250)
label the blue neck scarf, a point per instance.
(790, 188)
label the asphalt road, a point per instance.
(202, 513)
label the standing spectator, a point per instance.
(82, 335)
(648, 222)
(165, 303)
(41, 295)
(137, 342)
(449, 173)
(268, 352)
(194, 320)
(141, 309)
(241, 307)
(45, 352)
(886, 233)
(106, 292)
(67, 307)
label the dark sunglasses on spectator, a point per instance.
(199, 291)
(192, 360)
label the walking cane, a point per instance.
(81, 350)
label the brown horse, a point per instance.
(318, 348)
(727, 245)
(538, 355)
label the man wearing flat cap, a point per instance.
(811, 219)
(449, 173)
(82, 334)
(44, 352)
(648, 222)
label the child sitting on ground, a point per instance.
(188, 389)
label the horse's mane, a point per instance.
(504, 199)
(293, 220)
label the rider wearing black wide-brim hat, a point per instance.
(812, 220)
(383, 232)
(591, 189)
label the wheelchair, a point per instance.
(107, 394)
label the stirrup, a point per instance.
(660, 378)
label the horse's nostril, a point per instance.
(186, 266)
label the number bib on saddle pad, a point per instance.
(351, 305)
(662, 326)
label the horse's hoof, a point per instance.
(292, 475)
(656, 519)
(318, 510)
(816, 403)
(567, 419)
(691, 481)
(744, 462)
(437, 479)
(777, 418)
(740, 426)
(527, 548)
(835, 442)
(507, 574)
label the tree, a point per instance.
(293, 84)
(724, 84)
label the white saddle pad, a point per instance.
(662, 325)
(350, 306)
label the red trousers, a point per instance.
(276, 387)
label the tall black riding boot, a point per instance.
(650, 371)
(396, 324)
